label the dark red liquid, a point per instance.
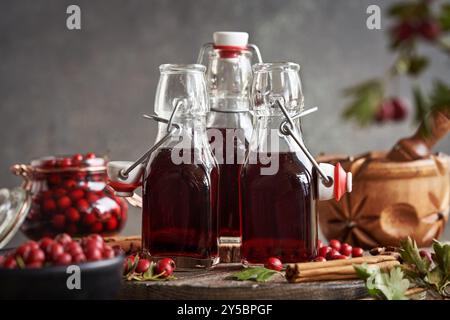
(179, 209)
(229, 219)
(278, 212)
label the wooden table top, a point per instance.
(216, 284)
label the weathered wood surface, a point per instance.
(215, 284)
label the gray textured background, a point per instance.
(67, 91)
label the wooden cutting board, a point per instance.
(215, 284)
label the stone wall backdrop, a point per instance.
(67, 91)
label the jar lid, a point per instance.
(14, 206)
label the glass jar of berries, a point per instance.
(70, 194)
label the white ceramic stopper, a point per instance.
(228, 38)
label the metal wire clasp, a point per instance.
(287, 129)
(172, 127)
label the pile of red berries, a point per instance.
(134, 264)
(337, 250)
(394, 109)
(59, 251)
(73, 200)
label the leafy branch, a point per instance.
(415, 22)
(390, 285)
(432, 274)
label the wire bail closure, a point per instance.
(172, 127)
(287, 129)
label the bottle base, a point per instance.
(189, 263)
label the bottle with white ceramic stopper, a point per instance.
(229, 122)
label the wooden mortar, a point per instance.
(390, 201)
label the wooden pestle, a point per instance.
(418, 146)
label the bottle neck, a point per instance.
(268, 138)
(192, 131)
(228, 80)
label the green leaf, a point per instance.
(366, 99)
(408, 10)
(410, 64)
(417, 64)
(422, 111)
(444, 18)
(442, 257)
(364, 270)
(259, 274)
(435, 277)
(410, 254)
(440, 96)
(383, 285)
(149, 273)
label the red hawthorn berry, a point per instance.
(111, 224)
(323, 252)
(63, 238)
(10, 263)
(70, 184)
(45, 242)
(64, 202)
(346, 249)
(403, 32)
(49, 205)
(93, 254)
(142, 266)
(430, 30)
(335, 244)
(400, 109)
(274, 263)
(164, 269)
(90, 155)
(64, 163)
(63, 259)
(320, 259)
(72, 215)
(76, 194)
(77, 159)
(35, 255)
(108, 252)
(82, 205)
(97, 227)
(59, 221)
(357, 252)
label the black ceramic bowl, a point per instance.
(98, 280)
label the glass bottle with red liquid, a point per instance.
(181, 178)
(280, 182)
(229, 122)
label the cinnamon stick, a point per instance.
(335, 269)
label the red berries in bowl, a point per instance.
(71, 195)
(59, 251)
